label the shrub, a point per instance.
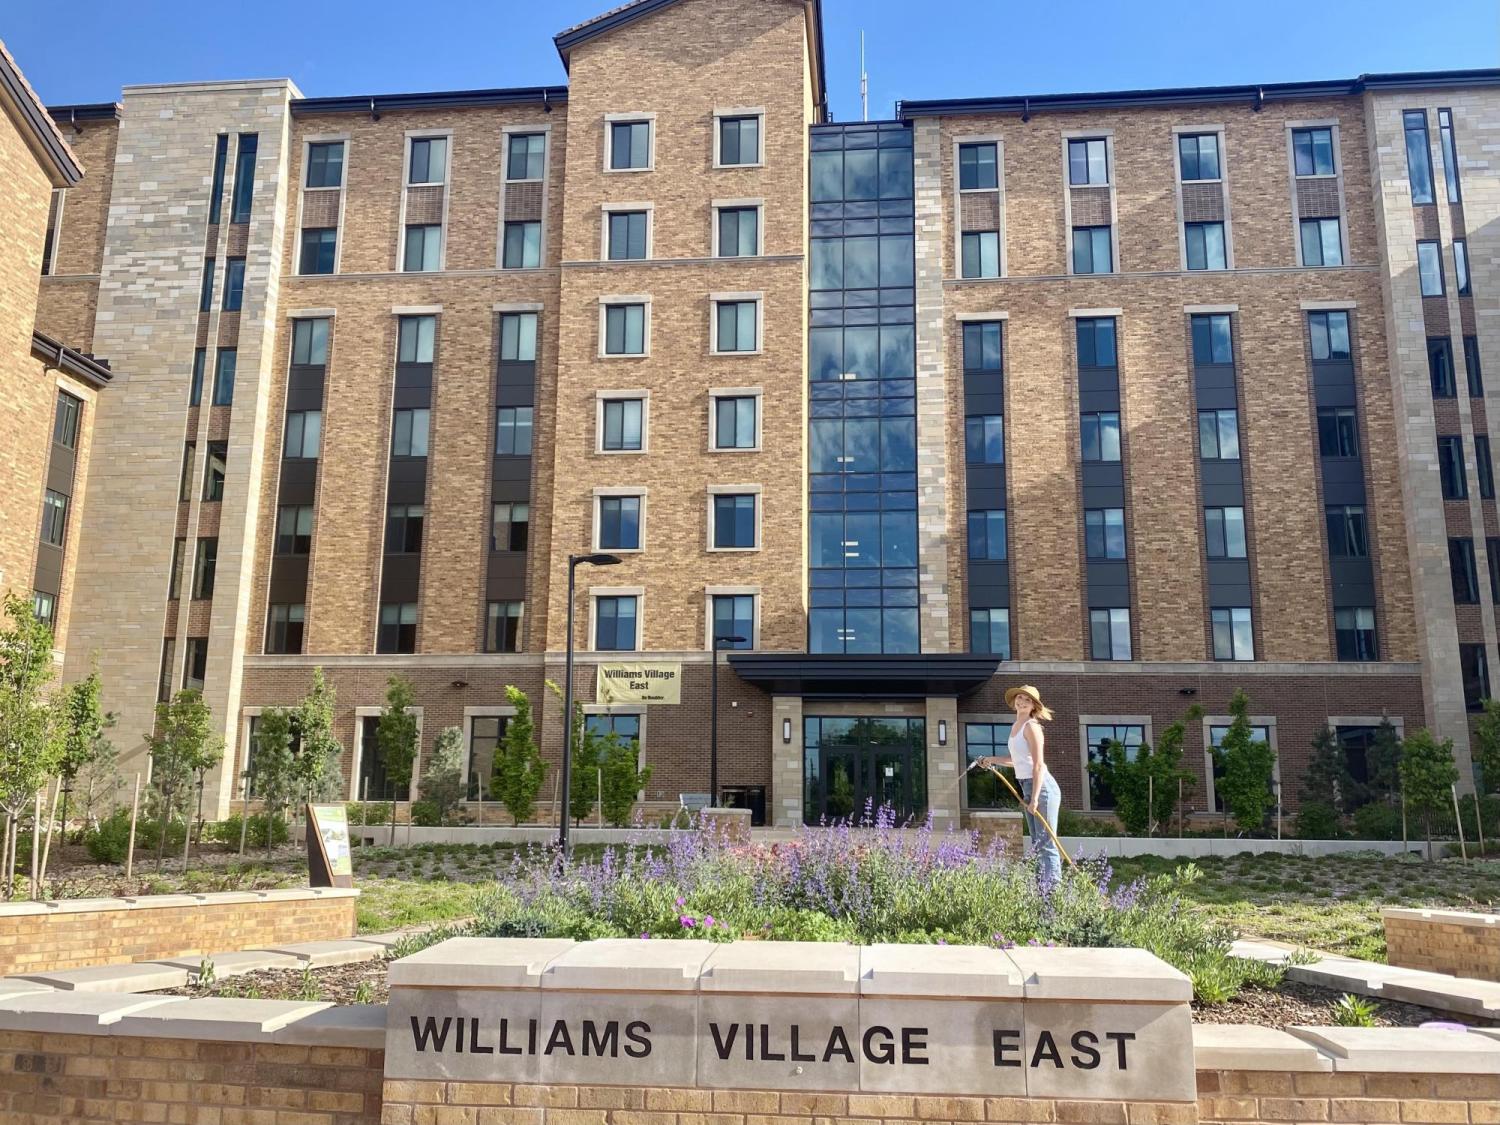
(363, 813)
(1353, 1011)
(1249, 767)
(426, 814)
(1144, 783)
(1377, 821)
(1070, 823)
(1317, 821)
(108, 842)
(227, 831)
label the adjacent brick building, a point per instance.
(1133, 396)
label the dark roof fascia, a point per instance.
(94, 111)
(53, 149)
(821, 102)
(1198, 95)
(864, 676)
(438, 99)
(70, 360)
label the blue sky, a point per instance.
(913, 51)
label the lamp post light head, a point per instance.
(596, 559)
(725, 641)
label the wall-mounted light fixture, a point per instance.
(460, 683)
(786, 731)
(1187, 691)
(942, 732)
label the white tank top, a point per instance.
(1020, 751)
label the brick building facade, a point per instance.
(1133, 396)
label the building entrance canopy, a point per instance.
(865, 676)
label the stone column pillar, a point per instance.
(944, 773)
(785, 810)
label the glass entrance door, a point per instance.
(855, 767)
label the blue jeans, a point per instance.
(1047, 802)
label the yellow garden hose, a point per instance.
(1045, 823)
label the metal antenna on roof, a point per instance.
(864, 81)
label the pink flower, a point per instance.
(688, 921)
(645, 937)
(708, 919)
(681, 901)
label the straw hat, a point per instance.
(1041, 710)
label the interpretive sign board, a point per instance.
(328, 861)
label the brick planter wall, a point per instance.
(74, 933)
(1444, 941)
(1353, 1098)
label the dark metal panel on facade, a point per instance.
(1108, 583)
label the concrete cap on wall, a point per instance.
(215, 1019)
(1099, 974)
(938, 970)
(1248, 1047)
(1405, 1050)
(630, 965)
(479, 963)
(1454, 917)
(74, 1013)
(824, 968)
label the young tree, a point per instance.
(1486, 747)
(30, 729)
(320, 755)
(1144, 783)
(273, 769)
(99, 781)
(1328, 788)
(624, 778)
(1249, 768)
(1427, 775)
(181, 746)
(83, 723)
(1383, 765)
(443, 780)
(583, 780)
(396, 736)
(519, 769)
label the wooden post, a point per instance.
(1458, 822)
(1150, 805)
(135, 808)
(555, 782)
(1180, 809)
(1404, 844)
(36, 844)
(1479, 821)
(51, 822)
(599, 797)
(5, 857)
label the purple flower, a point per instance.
(688, 921)
(708, 919)
(645, 937)
(681, 901)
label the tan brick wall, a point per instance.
(117, 934)
(68, 295)
(76, 1079)
(78, 505)
(1356, 1098)
(1465, 945)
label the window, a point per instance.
(398, 628)
(735, 522)
(403, 529)
(416, 337)
(518, 336)
(1321, 245)
(65, 420)
(424, 247)
(1354, 633)
(523, 246)
(625, 329)
(284, 629)
(1451, 467)
(304, 429)
(989, 632)
(325, 164)
(627, 728)
(1260, 734)
(987, 535)
(509, 526)
(1096, 342)
(626, 234)
(984, 439)
(1213, 340)
(54, 517)
(513, 431)
(174, 579)
(168, 663)
(1430, 269)
(44, 607)
(1461, 265)
(629, 145)
(1330, 334)
(310, 342)
(982, 352)
(206, 295)
(734, 326)
(1198, 156)
(205, 563)
(1109, 634)
(195, 388)
(1312, 151)
(1484, 469)
(1234, 639)
(739, 140)
(221, 158)
(244, 179)
(985, 740)
(1338, 435)
(1476, 675)
(733, 616)
(502, 627)
(978, 167)
(195, 663)
(1461, 568)
(224, 367)
(1097, 738)
(1440, 367)
(526, 156)
(213, 470)
(1088, 162)
(294, 524)
(1225, 531)
(409, 433)
(319, 247)
(1492, 556)
(981, 253)
(1418, 155)
(623, 428)
(484, 737)
(429, 160)
(1101, 436)
(1471, 367)
(1348, 533)
(1450, 154)
(185, 484)
(619, 523)
(1218, 435)
(234, 284)
(615, 623)
(736, 422)
(1104, 533)
(1091, 251)
(1205, 246)
(739, 232)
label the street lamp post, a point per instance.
(567, 760)
(713, 719)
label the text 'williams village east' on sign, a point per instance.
(816, 1016)
(639, 681)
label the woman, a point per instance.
(1027, 755)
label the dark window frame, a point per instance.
(244, 178)
(395, 633)
(514, 431)
(317, 251)
(516, 533)
(1196, 158)
(294, 540)
(1462, 570)
(620, 523)
(1434, 256)
(1348, 530)
(66, 419)
(1097, 527)
(1450, 155)
(971, 171)
(993, 617)
(1440, 370)
(54, 529)
(1418, 176)
(736, 124)
(502, 629)
(1093, 243)
(1229, 617)
(205, 566)
(318, 164)
(215, 470)
(520, 250)
(1338, 429)
(612, 621)
(404, 526)
(285, 633)
(1354, 641)
(1109, 619)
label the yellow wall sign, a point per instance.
(639, 682)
